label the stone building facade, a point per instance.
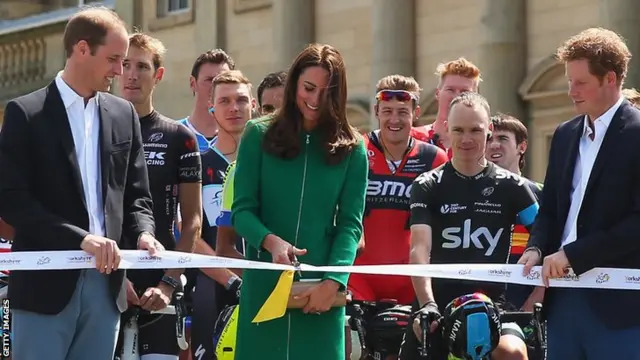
(512, 41)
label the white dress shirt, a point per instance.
(587, 153)
(85, 129)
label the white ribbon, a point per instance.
(597, 278)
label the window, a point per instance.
(171, 13)
(167, 7)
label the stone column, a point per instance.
(623, 17)
(393, 49)
(293, 25)
(210, 28)
(502, 54)
(126, 9)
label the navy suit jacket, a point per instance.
(609, 218)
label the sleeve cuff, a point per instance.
(341, 278)
(224, 219)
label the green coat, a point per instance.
(267, 199)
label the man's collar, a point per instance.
(605, 118)
(68, 95)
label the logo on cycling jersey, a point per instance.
(487, 191)
(190, 172)
(155, 137)
(487, 207)
(478, 237)
(85, 259)
(452, 208)
(602, 278)
(154, 158)
(44, 260)
(505, 174)
(188, 155)
(190, 144)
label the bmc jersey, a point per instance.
(172, 158)
(472, 219)
(386, 217)
(427, 134)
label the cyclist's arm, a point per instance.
(536, 296)
(189, 195)
(526, 206)
(227, 235)
(421, 235)
(420, 254)
(221, 276)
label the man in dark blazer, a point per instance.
(73, 176)
(590, 214)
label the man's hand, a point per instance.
(132, 297)
(147, 242)
(530, 258)
(281, 251)
(554, 266)
(106, 252)
(321, 297)
(433, 314)
(156, 298)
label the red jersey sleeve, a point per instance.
(440, 158)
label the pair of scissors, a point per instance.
(296, 264)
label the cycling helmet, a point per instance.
(224, 333)
(387, 327)
(471, 326)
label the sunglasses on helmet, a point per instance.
(400, 95)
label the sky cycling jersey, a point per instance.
(427, 134)
(172, 158)
(386, 218)
(472, 219)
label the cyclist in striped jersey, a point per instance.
(506, 148)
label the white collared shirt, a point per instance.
(587, 153)
(85, 129)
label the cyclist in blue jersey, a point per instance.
(231, 107)
(173, 164)
(463, 212)
(200, 122)
(205, 68)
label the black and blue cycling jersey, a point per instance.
(472, 220)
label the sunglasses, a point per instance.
(400, 95)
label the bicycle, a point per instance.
(531, 324)
(379, 326)
(128, 343)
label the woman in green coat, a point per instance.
(300, 187)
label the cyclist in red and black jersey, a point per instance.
(395, 159)
(454, 77)
(506, 147)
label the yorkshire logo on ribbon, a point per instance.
(276, 304)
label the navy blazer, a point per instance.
(609, 219)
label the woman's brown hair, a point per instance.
(282, 137)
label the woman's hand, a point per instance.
(321, 297)
(281, 251)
